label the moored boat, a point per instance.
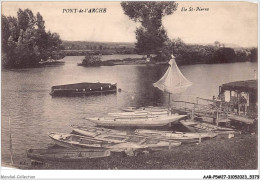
(83, 89)
(179, 136)
(122, 138)
(239, 118)
(196, 126)
(102, 134)
(74, 141)
(94, 131)
(135, 143)
(155, 109)
(135, 122)
(66, 155)
(141, 113)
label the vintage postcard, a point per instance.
(129, 85)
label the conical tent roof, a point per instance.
(173, 80)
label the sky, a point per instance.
(226, 22)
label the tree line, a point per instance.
(82, 48)
(211, 54)
(152, 37)
(25, 41)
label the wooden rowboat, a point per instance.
(146, 109)
(73, 141)
(66, 155)
(238, 118)
(196, 126)
(179, 136)
(103, 134)
(135, 143)
(95, 131)
(124, 140)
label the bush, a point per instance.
(91, 60)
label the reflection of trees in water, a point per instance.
(147, 94)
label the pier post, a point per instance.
(192, 114)
(170, 145)
(238, 111)
(216, 118)
(199, 138)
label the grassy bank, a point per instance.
(239, 152)
(127, 61)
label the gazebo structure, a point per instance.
(240, 97)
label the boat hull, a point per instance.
(95, 131)
(79, 89)
(195, 126)
(76, 143)
(133, 141)
(141, 109)
(182, 137)
(66, 155)
(137, 122)
(139, 114)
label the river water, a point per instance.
(33, 112)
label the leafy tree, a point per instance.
(151, 36)
(217, 43)
(224, 55)
(5, 32)
(25, 41)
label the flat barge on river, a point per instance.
(83, 89)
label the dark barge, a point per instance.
(83, 89)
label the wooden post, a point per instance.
(237, 103)
(217, 117)
(230, 109)
(11, 148)
(192, 114)
(170, 145)
(199, 138)
(247, 127)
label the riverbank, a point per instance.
(127, 61)
(142, 61)
(239, 152)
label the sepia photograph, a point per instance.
(129, 85)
